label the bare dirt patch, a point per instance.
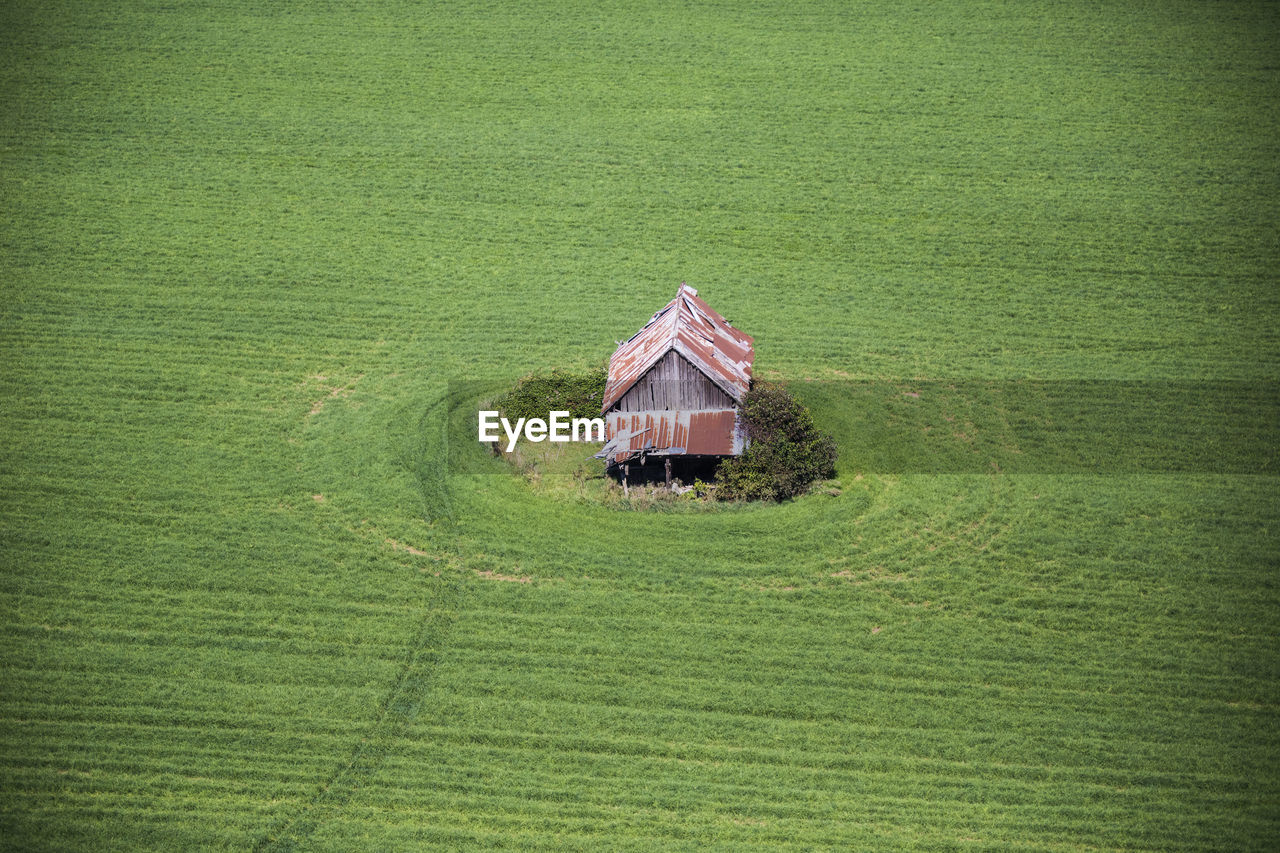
(491, 575)
(335, 391)
(400, 546)
(875, 574)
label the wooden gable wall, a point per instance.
(673, 383)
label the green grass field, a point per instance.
(255, 591)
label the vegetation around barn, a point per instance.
(786, 454)
(535, 395)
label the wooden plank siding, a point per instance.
(673, 383)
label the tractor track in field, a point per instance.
(395, 714)
(398, 708)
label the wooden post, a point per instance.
(667, 467)
(626, 469)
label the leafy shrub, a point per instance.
(580, 394)
(787, 452)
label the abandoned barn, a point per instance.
(674, 389)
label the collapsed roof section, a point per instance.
(633, 435)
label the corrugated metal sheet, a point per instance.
(690, 327)
(671, 433)
(714, 434)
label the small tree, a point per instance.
(787, 452)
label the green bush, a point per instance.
(787, 452)
(534, 396)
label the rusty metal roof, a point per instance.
(664, 432)
(690, 327)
